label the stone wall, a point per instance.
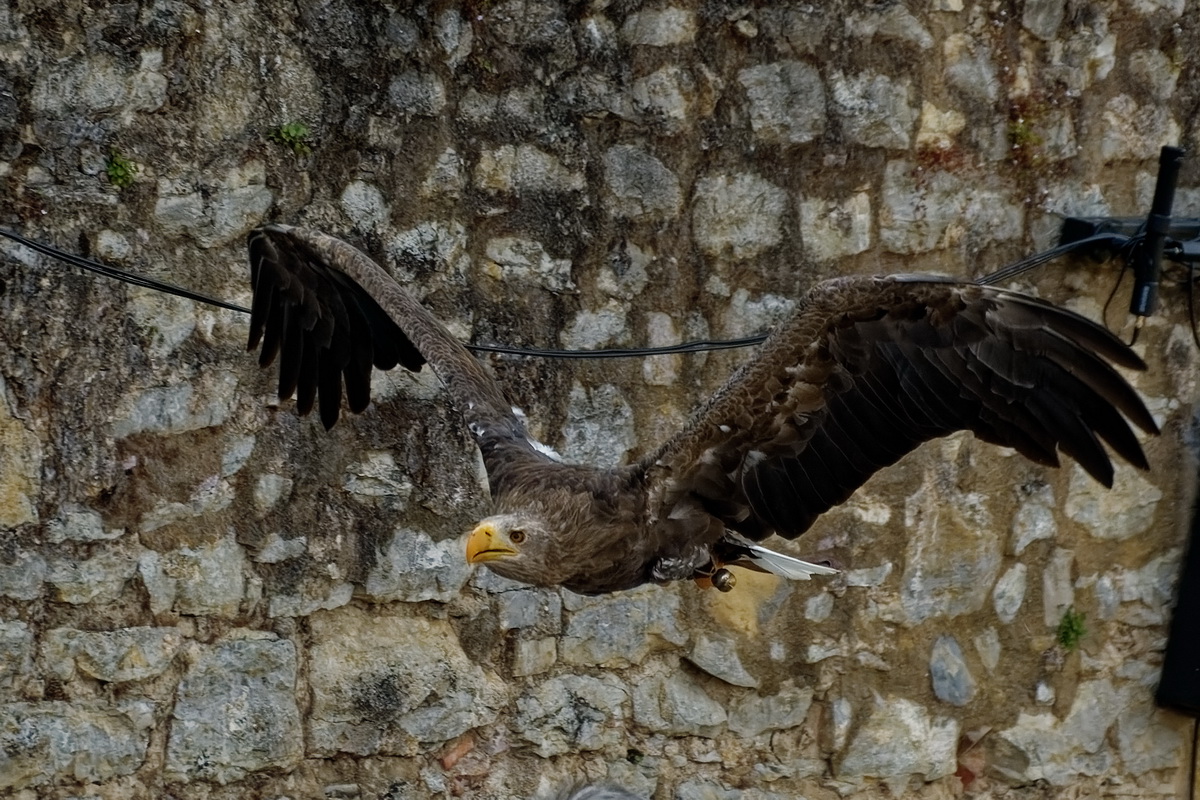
(204, 596)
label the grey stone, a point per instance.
(1131, 131)
(818, 607)
(572, 713)
(534, 656)
(663, 99)
(1150, 738)
(23, 578)
(1009, 593)
(1034, 520)
(365, 205)
(841, 715)
(100, 578)
(269, 489)
(599, 427)
(752, 715)
(16, 655)
(523, 106)
(276, 548)
(313, 595)
(1148, 593)
(159, 585)
(641, 186)
(821, 647)
(869, 576)
(787, 102)
(384, 684)
(952, 680)
(676, 705)
(890, 22)
(898, 739)
(76, 523)
(414, 568)
(526, 260)
(209, 578)
(202, 403)
(416, 93)
(952, 555)
(238, 453)
(378, 477)
(591, 330)
(167, 321)
(236, 713)
(454, 35)
(126, 654)
(1128, 509)
(1042, 17)
(524, 169)
(438, 246)
(874, 110)
(834, 230)
(1107, 598)
(97, 85)
(933, 210)
(528, 608)
(1057, 592)
(619, 630)
(737, 216)
(661, 27)
(718, 656)
(970, 68)
(746, 315)
(1155, 70)
(446, 178)
(661, 331)
(1062, 751)
(987, 644)
(213, 211)
(55, 741)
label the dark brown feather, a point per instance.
(331, 313)
(893, 363)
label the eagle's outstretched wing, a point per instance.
(867, 369)
(330, 314)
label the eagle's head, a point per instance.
(516, 546)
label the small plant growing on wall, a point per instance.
(119, 169)
(1071, 629)
(294, 136)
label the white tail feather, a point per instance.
(779, 564)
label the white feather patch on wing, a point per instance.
(779, 564)
(541, 447)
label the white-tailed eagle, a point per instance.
(865, 370)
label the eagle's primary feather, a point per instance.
(866, 369)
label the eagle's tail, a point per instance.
(754, 556)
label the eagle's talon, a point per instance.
(724, 580)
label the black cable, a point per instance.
(1037, 259)
(162, 286)
(120, 274)
(706, 345)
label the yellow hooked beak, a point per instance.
(487, 544)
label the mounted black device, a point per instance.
(1145, 242)
(1179, 685)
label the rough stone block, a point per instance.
(236, 713)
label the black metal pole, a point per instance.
(1149, 260)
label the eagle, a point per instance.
(866, 369)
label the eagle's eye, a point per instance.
(517, 536)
